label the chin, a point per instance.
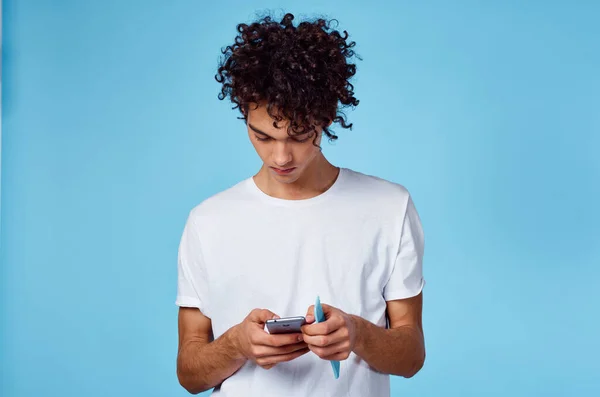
(286, 179)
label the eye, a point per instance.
(303, 140)
(262, 139)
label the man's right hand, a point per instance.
(266, 350)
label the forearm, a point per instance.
(202, 366)
(398, 351)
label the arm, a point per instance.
(201, 362)
(399, 350)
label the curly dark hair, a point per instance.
(301, 73)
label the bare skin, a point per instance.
(312, 174)
(399, 350)
(204, 362)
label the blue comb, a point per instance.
(319, 318)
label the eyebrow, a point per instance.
(253, 128)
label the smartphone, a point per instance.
(285, 325)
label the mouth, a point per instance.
(283, 171)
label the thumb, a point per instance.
(262, 315)
(327, 310)
(311, 310)
(310, 314)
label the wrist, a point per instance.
(233, 343)
(359, 333)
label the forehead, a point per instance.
(260, 119)
(259, 114)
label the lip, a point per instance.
(283, 171)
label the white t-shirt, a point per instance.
(356, 246)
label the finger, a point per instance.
(330, 325)
(261, 315)
(310, 311)
(328, 310)
(275, 340)
(310, 317)
(326, 340)
(269, 361)
(265, 351)
(341, 356)
(331, 350)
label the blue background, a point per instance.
(488, 112)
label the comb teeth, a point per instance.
(320, 317)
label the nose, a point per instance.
(282, 154)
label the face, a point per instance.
(285, 157)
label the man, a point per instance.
(300, 228)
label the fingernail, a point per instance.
(300, 338)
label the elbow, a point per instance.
(189, 385)
(191, 390)
(413, 371)
(416, 366)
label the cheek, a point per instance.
(309, 153)
(261, 150)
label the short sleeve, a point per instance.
(406, 279)
(191, 273)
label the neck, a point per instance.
(315, 180)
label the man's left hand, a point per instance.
(333, 339)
